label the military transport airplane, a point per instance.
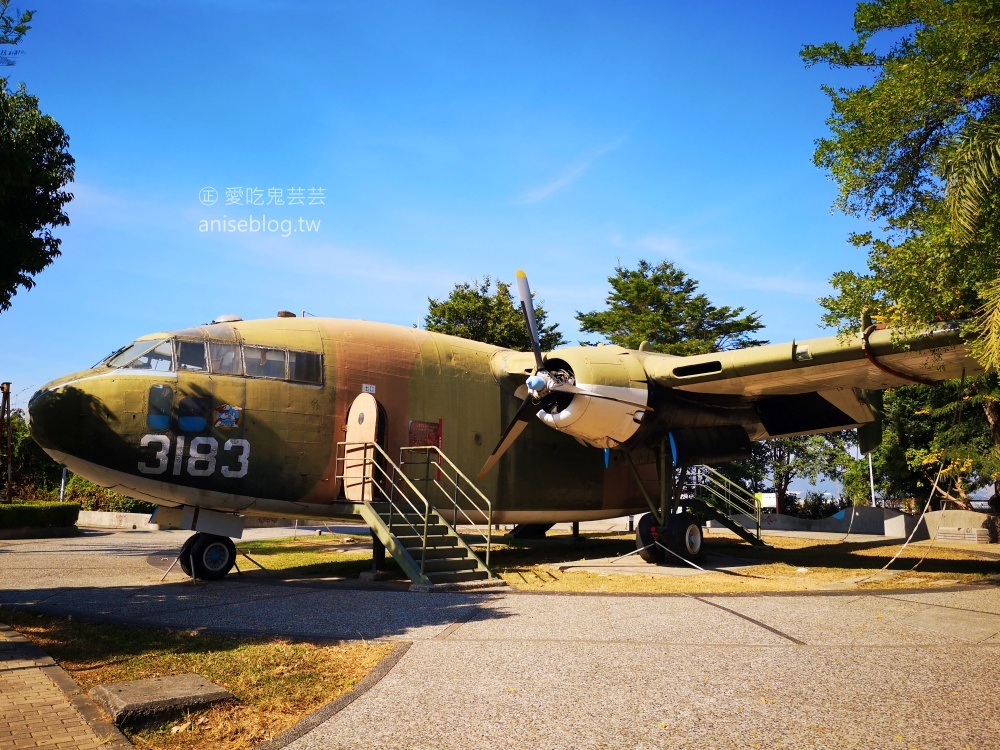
(244, 417)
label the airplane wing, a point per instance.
(886, 359)
(710, 405)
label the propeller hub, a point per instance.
(536, 383)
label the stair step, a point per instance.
(457, 576)
(438, 566)
(416, 542)
(433, 530)
(443, 553)
(382, 508)
(411, 518)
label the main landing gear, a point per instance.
(207, 556)
(681, 535)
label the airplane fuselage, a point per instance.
(246, 417)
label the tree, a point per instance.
(917, 150)
(35, 166)
(661, 305)
(471, 312)
(923, 128)
(33, 473)
(924, 429)
(773, 464)
(13, 27)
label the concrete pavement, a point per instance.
(507, 669)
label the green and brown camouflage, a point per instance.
(246, 416)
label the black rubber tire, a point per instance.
(213, 556)
(646, 533)
(184, 557)
(684, 536)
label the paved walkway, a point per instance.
(505, 669)
(41, 706)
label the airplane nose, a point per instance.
(47, 419)
(52, 419)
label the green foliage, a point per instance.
(472, 312)
(773, 464)
(925, 428)
(13, 27)
(972, 175)
(91, 496)
(33, 473)
(918, 149)
(36, 167)
(38, 515)
(661, 305)
(936, 73)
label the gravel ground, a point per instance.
(499, 670)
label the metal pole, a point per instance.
(7, 437)
(62, 486)
(871, 478)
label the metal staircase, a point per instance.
(415, 532)
(719, 497)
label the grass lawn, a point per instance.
(276, 682)
(788, 564)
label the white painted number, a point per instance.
(202, 456)
(243, 458)
(161, 454)
(202, 462)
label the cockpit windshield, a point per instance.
(219, 358)
(145, 355)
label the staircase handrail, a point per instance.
(368, 477)
(484, 508)
(729, 493)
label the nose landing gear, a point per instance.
(207, 556)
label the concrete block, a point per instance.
(98, 519)
(951, 534)
(143, 701)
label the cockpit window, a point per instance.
(225, 359)
(130, 352)
(152, 355)
(191, 356)
(264, 363)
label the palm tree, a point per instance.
(972, 174)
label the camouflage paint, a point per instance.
(281, 457)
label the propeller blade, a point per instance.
(528, 310)
(525, 414)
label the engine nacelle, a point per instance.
(608, 371)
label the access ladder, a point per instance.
(417, 534)
(720, 498)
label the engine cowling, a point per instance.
(613, 414)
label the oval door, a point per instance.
(359, 459)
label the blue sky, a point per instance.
(440, 142)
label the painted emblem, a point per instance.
(228, 417)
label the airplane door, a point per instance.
(364, 425)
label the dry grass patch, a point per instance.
(335, 556)
(789, 564)
(277, 682)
